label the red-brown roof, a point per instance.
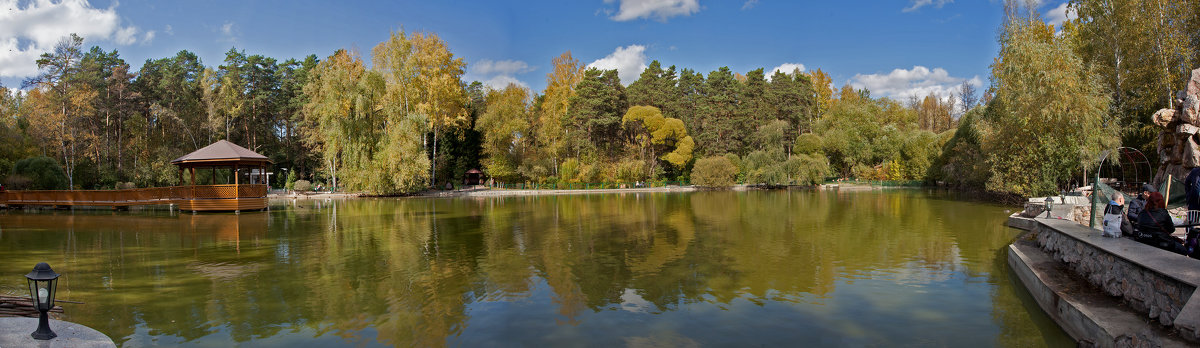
(474, 171)
(222, 151)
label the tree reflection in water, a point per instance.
(827, 268)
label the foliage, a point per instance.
(1046, 100)
(42, 173)
(505, 128)
(302, 186)
(716, 171)
(807, 143)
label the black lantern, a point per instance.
(43, 283)
(1049, 203)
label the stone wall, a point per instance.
(1159, 284)
(1144, 290)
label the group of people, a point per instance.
(1148, 222)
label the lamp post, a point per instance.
(1049, 202)
(43, 284)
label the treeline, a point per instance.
(407, 121)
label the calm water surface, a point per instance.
(811, 268)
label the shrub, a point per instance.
(630, 170)
(43, 173)
(716, 171)
(568, 171)
(291, 180)
(126, 186)
(807, 170)
(301, 186)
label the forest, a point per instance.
(400, 118)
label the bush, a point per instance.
(630, 171)
(291, 180)
(43, 173)
(568, 171)
(302, 186)
(716, 171)
(807, 170)
(126, 186)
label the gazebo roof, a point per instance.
(224, 152)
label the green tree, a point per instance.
(40, 173)
(1048, 105)
(596, 108)
(552, 136)
(505, 127)
(655, 134)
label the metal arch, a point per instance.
(1127, 160)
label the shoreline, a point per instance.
(497, 192)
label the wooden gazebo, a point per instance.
(240, 190)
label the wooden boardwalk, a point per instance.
(192, 198)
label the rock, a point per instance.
(1186, 128)
(1193, 86)
(1191, 155)
(1164, 146)
(1190, 108)
(1164, 117)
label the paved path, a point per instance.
(14, 332)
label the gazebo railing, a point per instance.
(154, 195)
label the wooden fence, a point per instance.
(142, 196)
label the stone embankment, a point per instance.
(1107, 292)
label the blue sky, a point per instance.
(895, 48)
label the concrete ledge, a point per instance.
(1089, 317)
(14, 332)
(1157, 285)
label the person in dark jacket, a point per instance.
(1154, 226)
(1139, 203)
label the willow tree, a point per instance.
(1047, 118)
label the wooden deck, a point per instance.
(191, 198)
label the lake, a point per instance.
(902, 267)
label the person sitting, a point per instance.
(1139, 202)
(1154, 226)
(1115, 223)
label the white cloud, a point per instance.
(786, 68)
(749, 4)
(498, 74)
(629, 61)
(502, 67)
(502, 81)
(917, 4)
(919, 81)
(148, 37)
(1059, 15)
(27, 32)
(660, 9)
(169, 30)
(126, 36)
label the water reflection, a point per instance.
(707, 268)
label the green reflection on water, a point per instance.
(708, 268)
